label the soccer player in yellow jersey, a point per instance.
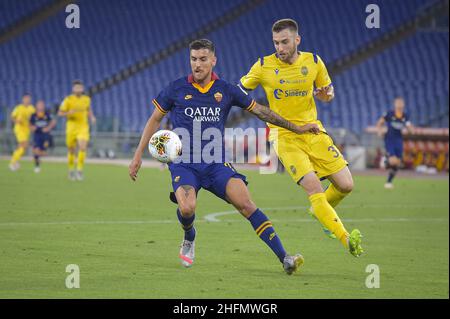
(21, 118)
(291, 79)
(77, 110)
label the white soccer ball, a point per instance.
(165, 146)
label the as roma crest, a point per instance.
(218, 96)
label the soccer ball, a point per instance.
(165, 146)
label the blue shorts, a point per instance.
(42, 141)
(212, 177)
(394, 148)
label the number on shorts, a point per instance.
(333, 149)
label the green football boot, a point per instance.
(354, 243)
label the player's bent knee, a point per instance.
(311, 184)
(346, 187)
(394, 161)
(187, 209)
(246, 207)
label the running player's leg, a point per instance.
(341, 186)
(82, 148)
(326, 214)
(185, 184)
(393, 164)
(71, 143)
(187, 201)
(37, 162)
(394, 150)
(41, 143)
(238, 195)
(322, 209)
(186, 196)
(22, 145)
(294, 157)
(328, 162)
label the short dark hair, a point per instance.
(75, 82)
(283, 24)
(26, 94)
(202, 44)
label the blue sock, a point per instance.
(263, 227)
(392, 174)
(188, 225)
(36, 160)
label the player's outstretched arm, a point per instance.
(380, 125)
(409, 127)
(151, 127)
(267, 115)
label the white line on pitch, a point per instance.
(213, 217)
(140, 222)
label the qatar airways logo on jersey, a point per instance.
(397, 125)
(203, 113)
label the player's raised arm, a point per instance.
(150, 128)
(267, 115)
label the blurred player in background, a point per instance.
(77, 110)
(288, 78)
(41, 123)
(395, 120)
(21, 118)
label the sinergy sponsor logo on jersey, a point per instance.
(279, 93)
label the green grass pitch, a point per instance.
(125, 238)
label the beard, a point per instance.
(288, 55)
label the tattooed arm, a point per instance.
(267, 115)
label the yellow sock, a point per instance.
(17, 154)
(328, 217)
(71, 160)
(80, 161)
(334, 197)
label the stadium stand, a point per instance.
(12, 11)
(236, 56)
(116, 42)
